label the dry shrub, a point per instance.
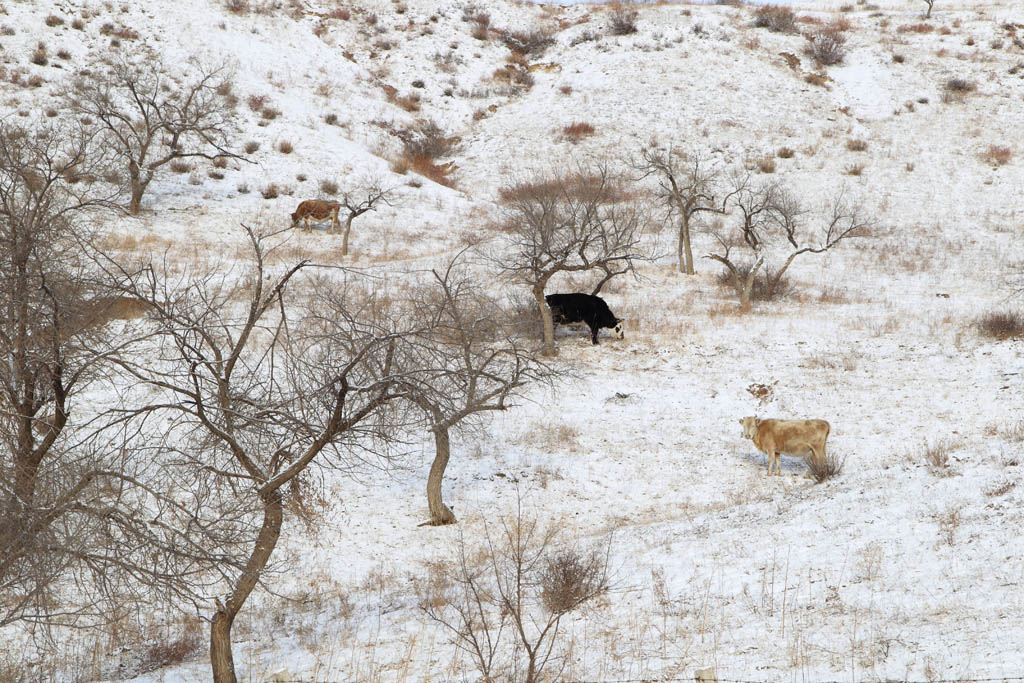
(270, 113)
(1000, 489)
(767, 286)
(242, 188)
(819, 80)
(997, 155)
(531, 43)
(179, 166)
(766, 164)
(785, 153)
(570, 577)
(856, 145)
(854, 169)
(256, 102)
(915, 28)
(827, 46)
(285, 147)
(575, 132)
(936, 456)
(824, 468)
(410, 103)
(53, 20)
(270, 191)
(440, 173)
(622, 20)
(779, 19)
(78, 24)
(251, 146)
(39, 56)
(328, 187)
(220, 162)
(582, 187)
(1002, 325)
(956, 89)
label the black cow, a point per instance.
(584, 308)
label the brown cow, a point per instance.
(792, 437)
(318, 210)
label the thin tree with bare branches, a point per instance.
(359, 201)
(473, 365)
(253, 390)
(688, 185)
(584, 220)
(151, 118)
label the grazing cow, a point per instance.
(792, 437)
(318, 210)
(585, 308)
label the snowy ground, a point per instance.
(890, 571)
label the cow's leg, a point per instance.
(594, 329)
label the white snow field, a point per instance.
(892, 570)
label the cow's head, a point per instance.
(618, 331)
(749, 427)
(295, 218)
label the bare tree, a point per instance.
(930, 3)
(769, 213)
(575, 222)
(472, 365)
(523, 582)
(45, 301)
(687, 185)
(251, 398)
(150, 118)
(358, 202)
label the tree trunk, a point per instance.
(748, 286)
(549, 325)
(344, 240)
(137, 188)
(221, 659)
(440, 514)
(684, 250)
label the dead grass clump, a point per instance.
(936, 456)
(180, 166)
(1002, 325)
(776, 18)
(622, 20)
(854, 169)
(531, 43)
(997, 155)
(819, 80)
(270, 191)
(269, 113)
(285, 147)
(1000, 489)
(39, 56)
(827, 46)
(956, 89)
(53, 20)
(328, 187)
(251, 146)
(575, 132)
(256, 102)
(440, 173)
(785, 153)
(915, 28)
(767, 285)
(856, 145)
(766, 164)
(824, 468)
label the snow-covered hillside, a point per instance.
(893, 570)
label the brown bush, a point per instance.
(251, 146)
(824, 468)
(328, 187)
(39, 55)
(827, 46)
(179, 166)
(765, 288)
(54, 20)
(915, 28)
(785, 153)
(533, 42)
(776, 18)
(622, 20)
(997, 155)
(1002, 324)
(256, 102)
(285, 147)
(77, 24)
(766, 165)
(856, 145)
(269, 113)
(270, 191)
(575, 132)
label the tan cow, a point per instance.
(318, 210)
(792, 437)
